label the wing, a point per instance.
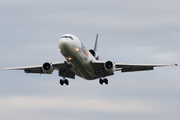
(131, 67)
(62, 67)
(127, 67)
(99, 69)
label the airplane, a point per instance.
(84, 63)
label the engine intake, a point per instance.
(94, 53)
(110, 66)
(47, 68)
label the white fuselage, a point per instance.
(77, 56)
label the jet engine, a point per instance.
(47, 68)
(110, 66)
(94, 53)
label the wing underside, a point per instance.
(128, 67)
(60, 66)
(131, 67)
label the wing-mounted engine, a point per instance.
(47, 68)
(94, 53)
(110, 66)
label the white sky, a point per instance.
(140, 31)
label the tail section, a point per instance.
(95, 47)
(96, 43)
(94, 52)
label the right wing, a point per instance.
(62, 67)
(99, 66)
(131, 67)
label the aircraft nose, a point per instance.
(65, 45)
(62, 43)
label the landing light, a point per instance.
(77, 49)
(69, 58)
(59, 49)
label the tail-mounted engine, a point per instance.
(110, 66)
(47, 68)
(94, 53)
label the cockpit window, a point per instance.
(67, 37)
(70, 37)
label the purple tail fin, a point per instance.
(96, 43)
(95, 47)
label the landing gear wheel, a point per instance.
(106, 81)
(66, 82)
(100, 81)
(69, 65)
(61, 82)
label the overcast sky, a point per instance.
(135, 31)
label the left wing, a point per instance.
(62, 67)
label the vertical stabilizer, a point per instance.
(95, 47)
(96, 43)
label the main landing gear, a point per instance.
(65, 81)
(62, 82)
(105, 80)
